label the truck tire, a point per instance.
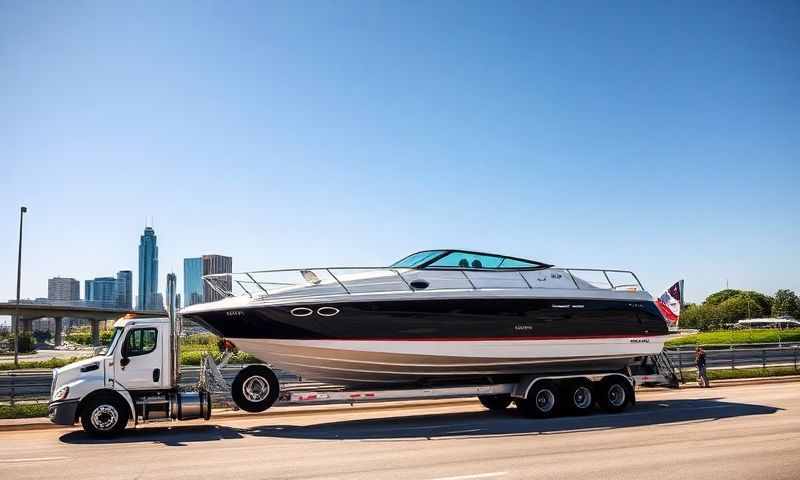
(495, 403)
(579, 396)
(255, 388)
(614, 394)
(543, 400)
(104, 414)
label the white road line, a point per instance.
(469, 477)
(36, 459)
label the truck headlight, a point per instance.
(61, 394)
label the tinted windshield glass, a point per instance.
(478, 260)
(415, 259)
(467, 260)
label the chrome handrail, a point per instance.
(213, 279)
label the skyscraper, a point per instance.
(192, 280)
(148, 272)
(217, 264)
(124, 291)
(63, 289)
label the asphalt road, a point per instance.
(741, 432)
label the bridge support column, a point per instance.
(95, 332)
(27, 325)
(58, 336)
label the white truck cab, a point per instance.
(135, 378)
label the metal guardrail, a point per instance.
(735, 356)
(35, 385)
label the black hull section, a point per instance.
(431, 319)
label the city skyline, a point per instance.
(659, 138)
(118, 291)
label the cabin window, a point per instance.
(140, 341)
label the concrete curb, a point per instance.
(42, 423)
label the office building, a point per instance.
(192, 280)
(124, 289)
(102, 292)
(148, 296)
(215, 264)
(87, 290)
(63, 289)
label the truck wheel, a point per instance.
(543, 400)
(255, 388)
(104, 415)
(579, 397)
(615, 394)
(495, 402)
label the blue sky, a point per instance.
(662, 137)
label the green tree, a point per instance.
(786, 303)
(721, 296)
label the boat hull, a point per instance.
(378, 341)
(399, 362)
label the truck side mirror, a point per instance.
(125, 361)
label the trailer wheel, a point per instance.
(104, 415)
(255, 388)
(543, 400)
(495, 403)
(579, 396)
(615, 393)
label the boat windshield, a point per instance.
(416, 259)
(455, 259)
(460, 259)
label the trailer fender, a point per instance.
(523, 387)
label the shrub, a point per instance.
(25, 343)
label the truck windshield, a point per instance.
(114, 340)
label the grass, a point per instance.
(25, 410)
(192, 349)
(760, 335)
(51, 363)
(727, 374)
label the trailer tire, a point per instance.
(104, 414)
(614, 394)
(495, 403)
(543, 400)
(579, 397)
(255, 388)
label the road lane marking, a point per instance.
(470, 477)
(36, 459)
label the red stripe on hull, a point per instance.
(477, 339)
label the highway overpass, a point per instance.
(28, 312)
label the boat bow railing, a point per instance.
(350, 280)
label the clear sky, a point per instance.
(662, 137)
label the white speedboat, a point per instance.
(434, 317)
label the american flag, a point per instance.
(669, 303)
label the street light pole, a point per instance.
(22, 211)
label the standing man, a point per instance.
(700, 361)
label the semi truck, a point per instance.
(135, 380)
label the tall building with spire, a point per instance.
(148, 297)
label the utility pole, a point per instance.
(22, 211)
